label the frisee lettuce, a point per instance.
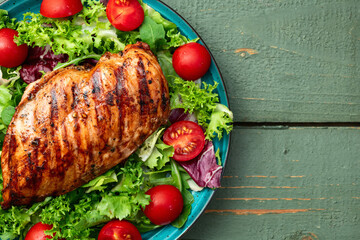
(203, 102)
(6, 21)
(85, 33)
(11, 91)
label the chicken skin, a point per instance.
(76, 123)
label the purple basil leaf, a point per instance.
(40, 59)
(204, 169)
(178, 114)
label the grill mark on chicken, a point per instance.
(75, 94)
(128, 95)
(121, 94)
(110, 99)
(58, 169)
(144, 93)
(102, 111)
(54, 107)
(96, 83)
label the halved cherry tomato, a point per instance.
(187, 138)
(125, 15)
(36, 232)
(119, 230)
(60, 8)
(191, 61)
(165, 206)
(11, 55)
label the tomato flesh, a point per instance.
(119, 230)
(11, 55)
(191, 61)
(187, 138)
(166, 204)
(125, 15)
(36, 232)
(60, 8)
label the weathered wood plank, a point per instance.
(287, 183)
(284, 60)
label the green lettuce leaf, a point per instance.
(7, 114)
(100, 183)
(160, 155)
(165, 61)
(147, 147)
(5, 97)
(156, 16)
(115, 206)
(151, 32)
(188, 200)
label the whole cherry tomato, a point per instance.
(165, 206)
(36, 232)
(191, 61)
(119, 230)
(125, 15)
(11, 55)
(60, 8)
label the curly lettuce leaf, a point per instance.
(87, 32)
(220, 120)
(6, 21)
(204, 103)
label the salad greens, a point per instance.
(11, 91)
(120, 192)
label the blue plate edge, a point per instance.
(228, 104)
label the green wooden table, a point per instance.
(292, 72)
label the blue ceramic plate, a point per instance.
(17, 8)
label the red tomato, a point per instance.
(36, 232)
(191, 61)
(60, 8)
(119, 230)
(165, 206)
(187, 138)
(11, 55)
(125, 15)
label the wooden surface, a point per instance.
(287, 183)
(283, 60)
(289, 62)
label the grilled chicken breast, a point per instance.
(76, 123)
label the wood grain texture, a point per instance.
(284, 60)
(287, 183)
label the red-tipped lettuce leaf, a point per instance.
(204, 169)
(40, 60)
(179, 114)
